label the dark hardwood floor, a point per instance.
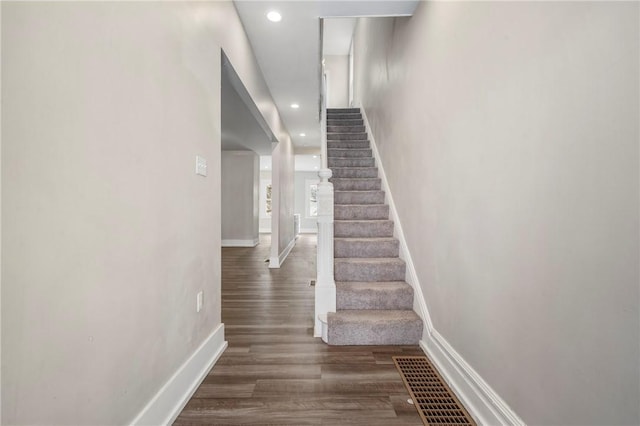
(275, 372)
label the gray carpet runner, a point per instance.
(374, 303)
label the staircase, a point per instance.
(374, 304)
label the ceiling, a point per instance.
(288, 52)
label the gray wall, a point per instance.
(282, 179)
(338, 67)
(307, 224)
(108, 234)
(509, 135)
(240, 191)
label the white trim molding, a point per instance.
(240, 243)
(483, 403)
(169, 401)
(276, 262)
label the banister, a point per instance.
(323, 123)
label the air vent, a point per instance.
(433, 399)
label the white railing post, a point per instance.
(325, 283)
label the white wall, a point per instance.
(509, 135)
(240, 191)
(338, 89)
(282, 179)
(108, 234)
(307, 223)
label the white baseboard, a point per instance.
(167, 403)
(275, 262)
(240, 243)
(483, 403)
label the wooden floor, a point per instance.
(275, 372)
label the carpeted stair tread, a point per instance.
(340, 136)
(356, 184)
(362, 228)
(366, 261)
(343, 116)
(374, 327)
(355, 172)
(350, 162)
(343, 110)
(349, 152)
(362, 144)
(360, 211)
(369, 269)
(331, 121)
(374, 295)
(358, 197)
(345, 129)
(366, 247)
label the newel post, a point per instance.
(325, 283)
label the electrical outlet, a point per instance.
(199, 300)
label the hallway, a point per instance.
(274, 371)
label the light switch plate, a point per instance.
(201, 166)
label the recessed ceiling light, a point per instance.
(295, 106)
(315, 156)
(303, 134)
(274, 16)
